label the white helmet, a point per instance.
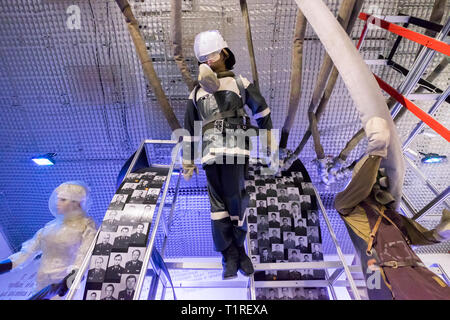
(208, 42)
(72, 190)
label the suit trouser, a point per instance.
(228, 200)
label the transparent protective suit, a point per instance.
(63, 241)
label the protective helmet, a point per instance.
(72, 190)
(208, 43)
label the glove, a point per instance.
(66, 283)
(208, 78)
(188, 170)
(5, 266)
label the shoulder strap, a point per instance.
(241, 88)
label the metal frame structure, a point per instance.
(330, 281)
(155, 272)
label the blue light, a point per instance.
(45, 160)
(433, 158)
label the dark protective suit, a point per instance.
(367, 209)
(226, 188)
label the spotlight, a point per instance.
(45, 160)
(432, 158)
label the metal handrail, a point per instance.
(150, 245)
(338, 247)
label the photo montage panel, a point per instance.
(284, 227)
(117, 258)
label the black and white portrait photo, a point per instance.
(111, 220)
(307, 188)
(260, 294)
(158, 181)
(132, 177)
(115, 267)
(134, 264)
(127, 287)
(272, 294)
(284, 211)
(265, 256)
(250, 186)
(299, 294)
(313, 234)
(285, 294)
(97, 268)
(300, 227)
(93, 294)
(289, 240)
(138, 196)
(261, 209)
(274, 220)
(305, 202)
(128, 187)
(317, 254)
(298, 177)
(254, 247)
(293, 255)
(272, 204)
(122, 239)
(251, 215)
(282, 195)
(274, 234)
(295, 209)
(313, 219)
(306, 257)
(261, 193)
(143, 184)
(293, 194)
(253, 230)
(152, 196)
(104, 243)
(139, 235)
(118, 202)
(277, 251)
(263, 224)
(254, 258)
(285, 225)
(109, 291)
(302, 244)
(252, 200)
(311, 293)
(271, 190)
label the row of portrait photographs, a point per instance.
(145, 179)
(149, 196)
(114, 267)
(287, 275)
(124, 290)
(292, 293)
(131, 215)
(119, 241)
(285, 232)
(286, 216)
(278, 203)
(278, 251)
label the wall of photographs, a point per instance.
(283, 226)
(116, 261)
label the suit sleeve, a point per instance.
(190, 141)
(258, 105)
(360, 186)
